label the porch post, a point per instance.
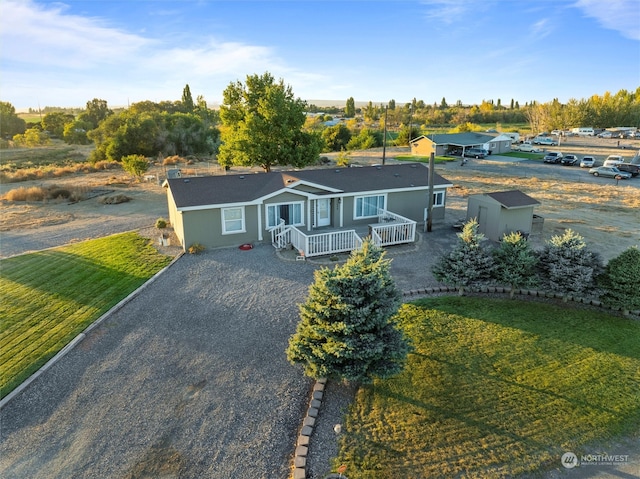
(259, 208)
(310, 220)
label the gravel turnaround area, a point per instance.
(187, 380)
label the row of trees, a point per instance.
(565, 265)
(347, 330)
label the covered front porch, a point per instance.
(386, 229)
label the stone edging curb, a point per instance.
(75, 341)
(520, 292)
(302, 444)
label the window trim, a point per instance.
(243, 228)
(436, 194)
(276, 205)
(355, 205)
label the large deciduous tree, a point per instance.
(468, 264)
(621, 281)
(10, 123)
(347, 330)
(262, 126)
(96, 111)
(567, 266)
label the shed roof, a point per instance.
(513, 199)
(459, 139)
(247, 188)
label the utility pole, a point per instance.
(432, 162)
(384, 138)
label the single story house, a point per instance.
(455, 143)
(316, 211)
(504, 212)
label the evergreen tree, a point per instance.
(347, 329)
(468, 264)
(567, 266)
(621, 281)
(350, 108)
(187, 100)
(515, 262)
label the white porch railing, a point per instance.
(393, 229)
(316, 244)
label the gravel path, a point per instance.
(188, 380)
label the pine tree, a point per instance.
(347, 330)
(515, 262)
(468, 264)
(621, 281)
(567, 266)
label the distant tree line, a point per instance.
(261, 123)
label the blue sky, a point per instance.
(65, 53)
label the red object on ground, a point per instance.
(246, 246)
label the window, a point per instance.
(233, 220)
(367, 206)
(438, 198)
(291, 213)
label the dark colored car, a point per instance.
(569, 160)
(475, 152)
(553, 157)
(629, 168)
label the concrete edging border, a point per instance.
(75, 341)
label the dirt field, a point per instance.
(606, 214)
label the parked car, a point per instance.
(475, 153)
(553, 157)
(613, 160)
(544, 140)
(629, 168)
(605, 134)
(610, 171)
(527, 147)
(587, 162)
(569, 160)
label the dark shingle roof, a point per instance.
(462, 139)
(233, 189)
(513, 199)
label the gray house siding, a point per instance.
(205, 227)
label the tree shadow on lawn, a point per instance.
(551, 320)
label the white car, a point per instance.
(544, 140)
(527, 147)
(587, 162)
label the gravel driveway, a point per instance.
(187, 380)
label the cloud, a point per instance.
(45, 49)
(541, 29)
(622, 16)
(39, 35)
(451, 11)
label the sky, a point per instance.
(66, 53)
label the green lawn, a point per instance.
(496, 388)
(522, 154)
(51, 296)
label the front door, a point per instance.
(323, 212)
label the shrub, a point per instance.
(621, 281)
(195, 248)
(161, 223)
(135, 165)
(114, 199)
